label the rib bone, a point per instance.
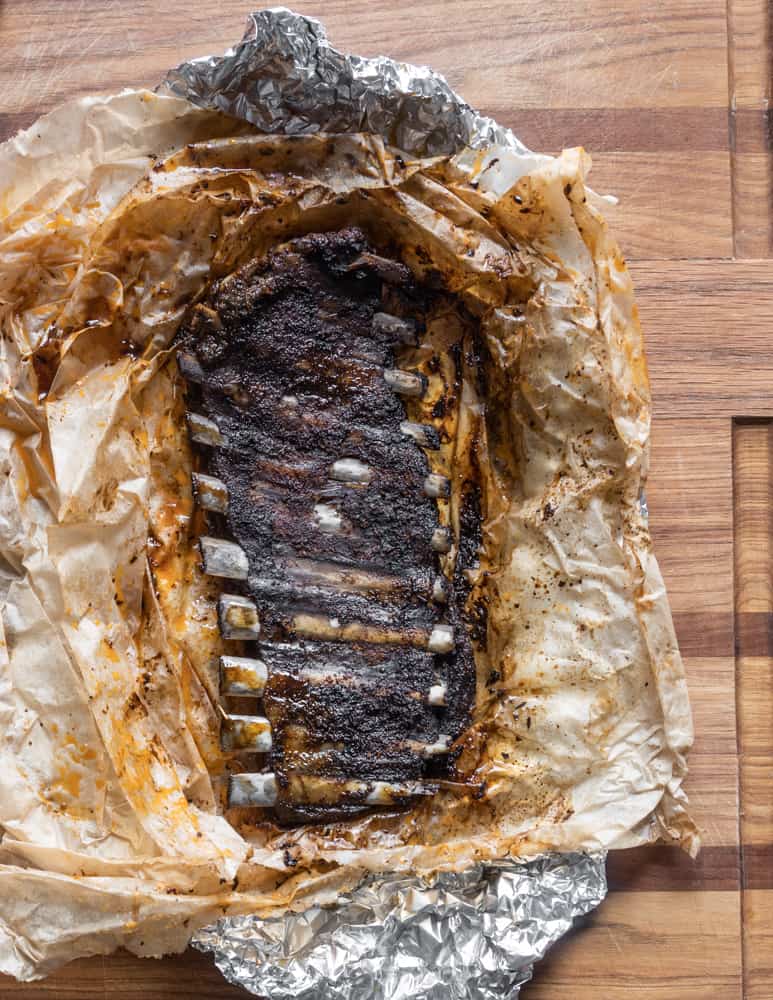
(390, 271)
(246, 732)
(190, 368)
(441, 746)
(309, 573)
(405, 383)
(442, 639)
(285, 593)
(241, 676)
(238, 617)
(210, 493)
(423, 434)
(440, 590)
(223, 559)
(252, 790)
(327, 519)
(388, 793)
(292, 657)
(441, 540)
(437, 695)
(350, 470)
(331, 629)
(402, 330)
(261, 790)
(436, 486)
(203, 430)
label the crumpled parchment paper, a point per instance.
(114, 213)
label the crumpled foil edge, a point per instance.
(473, 935)
(285, 77)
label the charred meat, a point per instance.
(324, 526)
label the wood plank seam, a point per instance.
(731, 130)
(752, 463)
(749, 126)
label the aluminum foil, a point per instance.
(474, 935)
(469, 936)
(284, 76)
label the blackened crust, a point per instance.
(285, 359)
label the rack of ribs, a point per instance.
(350, 671)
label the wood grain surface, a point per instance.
(672, 101)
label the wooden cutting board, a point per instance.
(670, 98)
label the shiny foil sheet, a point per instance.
(472, 935)
(469, 936)
(285, 77)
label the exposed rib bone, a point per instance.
(405, 383)
(337, 658)
(441, 540)
(238, 617)
(442, 639)
(310, 572)
(440, 590)
(436, 749)
(423, 434)
(306, 580)
(388, 793)
(284, 595)
(252, 790)
(261, 790)
(190, 368)
(332, 673)
(246, 732)
(294, 415)
(223, 559)
(241, 676)
(205, 318)
(203, 430)
(437, 695)
(210, 493)
(390, 271)
(279, 476)
(327, 519)
(331, 629)
(350, 470)
(436, 486)
(401, 330)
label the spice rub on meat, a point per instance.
(325, 523)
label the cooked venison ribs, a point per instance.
(324, 525)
